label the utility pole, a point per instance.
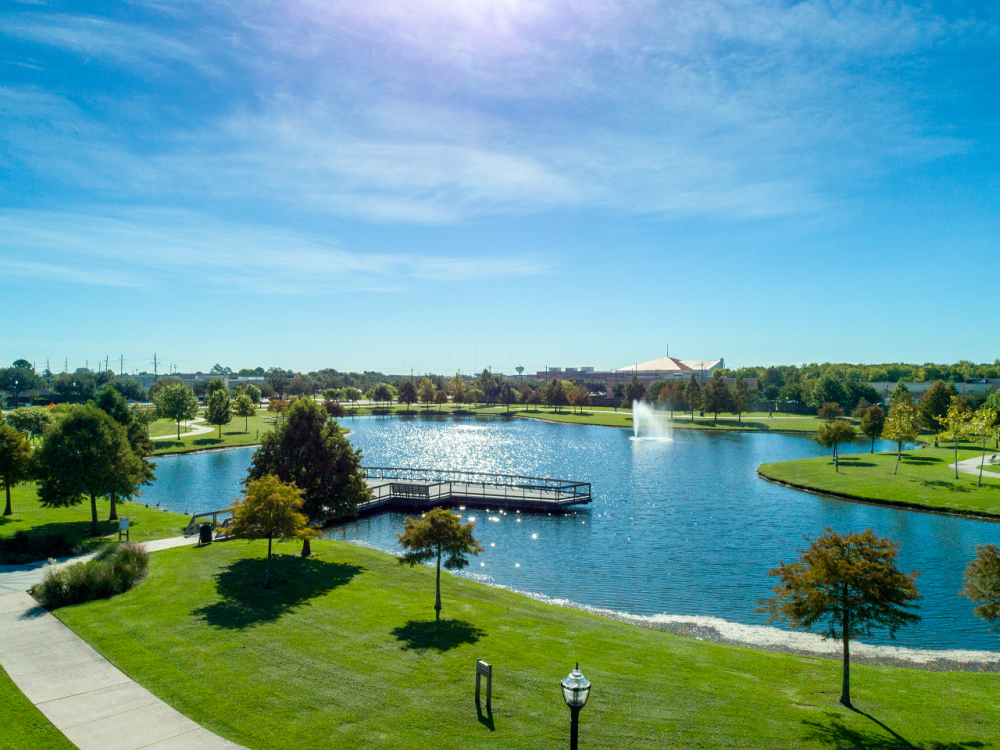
(154, 367)
(66, 365)
(121, 365)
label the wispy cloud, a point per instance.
(144, 247)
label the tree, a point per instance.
(934, 405)
(872, 423)
(982, 584)
(860, 409)
(143, 415)
(489, 384)
(832, 434)
(508, 395)
(900, 426)
(253, 392)
(426, 391)
(246, 408)
(830, 411)
(277, 406)
(269, 509)
(900, 393)
(15, 460)
(220, 409)
(634, 391)
(849, 584)
(618, 394)
(130, 389)
(440, 397)
(112, 403)
(672, 396)
(214, 385)
(438, 534)
(532, 397)
(32, 420)
(309, 450)
(715, 397)
(692, 394)
(739, 398)
(579, 397)
(983, 426)
(827, 388)
(176, 402)
(555, 393)
(956, 423)
(352, 395)
(334, 408)
(407, 393)
(456, 386)
(87, 453)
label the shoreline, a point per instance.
(901, 504)
(764, 637)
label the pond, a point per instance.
(682, 527)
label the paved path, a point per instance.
(96, 705)
(194, 429)
(15, 578)
(971, 465)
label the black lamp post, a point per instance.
(576, 690)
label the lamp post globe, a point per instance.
(576, 691)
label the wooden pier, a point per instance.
(397, 488)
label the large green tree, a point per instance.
(87, 454)
(15, 460)
(246, 408)
(31, 420)
(426, 391)
(672, 395)
(847, 584)
(634, 391)
(308, 449)
(555, 393)
(436, 535)
(715, 398)
(176, 401)
(407, 393)
(739, 398)
(220, 409)
(115, 406)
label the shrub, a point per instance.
(26, 547)
(114, 571)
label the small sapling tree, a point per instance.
(246, 408)
(900, 426)
(872, 423)
(220, 409)
(436, 535)
(832, 434)
(956, 424)
(270, 509)
(847, 584)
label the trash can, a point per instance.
(205, 534)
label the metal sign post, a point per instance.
(485, 670)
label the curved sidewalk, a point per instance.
(88, 699)
(971, 465)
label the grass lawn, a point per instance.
(924, 479)
(74, 521)
(757, 421)
(23, 725)
(344, 653)
(238, 432)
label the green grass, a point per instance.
(751, 421)
(924, 479)
(343, 652)
(234, 434)
(23, 726)
(74, 521)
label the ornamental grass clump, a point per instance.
(114, 571)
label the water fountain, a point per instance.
(647, 424)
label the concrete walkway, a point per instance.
(96, 705)
(194, 429)
(16, 578)
(971, 465)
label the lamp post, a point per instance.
(576, 690)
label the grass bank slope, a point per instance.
(29, 516)
(924, 479)
(344, 653)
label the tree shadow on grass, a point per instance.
(295, 580)
(939, 484)
(836, 734)
(438, 636)
(855, 463)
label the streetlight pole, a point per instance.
(576, 691)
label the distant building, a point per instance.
(885, 388)
(665, 368)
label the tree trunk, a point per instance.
(845, 692)
(981, 464)
(872, 451)
(95, 529)
(836, 466)
(178, 430)
(437, 598)
(306, 548)
(113, 516)
(956, 457)
(267, 575)
(8, 511)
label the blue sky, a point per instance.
(437, 185)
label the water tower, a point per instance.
(519, 369)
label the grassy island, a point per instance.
(923, 480)
(344, 652)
